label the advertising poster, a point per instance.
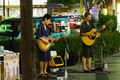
(11, 67)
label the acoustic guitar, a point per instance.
(45, 47)
(90, 40)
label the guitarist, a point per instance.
(88, 51)
(44, 57)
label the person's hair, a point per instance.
(86, 14)
(48, 16)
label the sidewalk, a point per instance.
(75, 72)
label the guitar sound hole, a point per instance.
(93, 37)
(49, 41)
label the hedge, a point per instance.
(111, 26)
(112, 41)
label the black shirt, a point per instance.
(87, 28)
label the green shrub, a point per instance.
(74, 44)
(110, 27)
(112, 41)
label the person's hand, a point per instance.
(103, 27)
(56, 39)
(91, 35)
(46, 41)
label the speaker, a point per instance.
(73, 58)
(56, 61)
(13, 44)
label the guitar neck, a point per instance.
(106, 23)
(60, 36)
(56, 38)
(100, 29)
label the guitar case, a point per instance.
(73, 58)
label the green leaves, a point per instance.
(110, 27)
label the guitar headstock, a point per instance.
(111, 20)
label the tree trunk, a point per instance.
(27, 41)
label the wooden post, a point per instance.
(27, 41)
(0, 18)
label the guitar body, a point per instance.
(90, 40)
(43, 46)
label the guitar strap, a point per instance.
(96, 28)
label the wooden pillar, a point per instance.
(107, 4)
(110, 12)
(0, 18)
(101, 9)
(27, 46)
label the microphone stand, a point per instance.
(66, 43)
(102, 61)
(66, 47)
(102, 42)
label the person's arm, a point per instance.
(43, 39)
(87, 34)
(39, 34)
(103, 27)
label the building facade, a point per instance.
(12, 8)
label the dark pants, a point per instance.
(88, 51)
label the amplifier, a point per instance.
(56, 61)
